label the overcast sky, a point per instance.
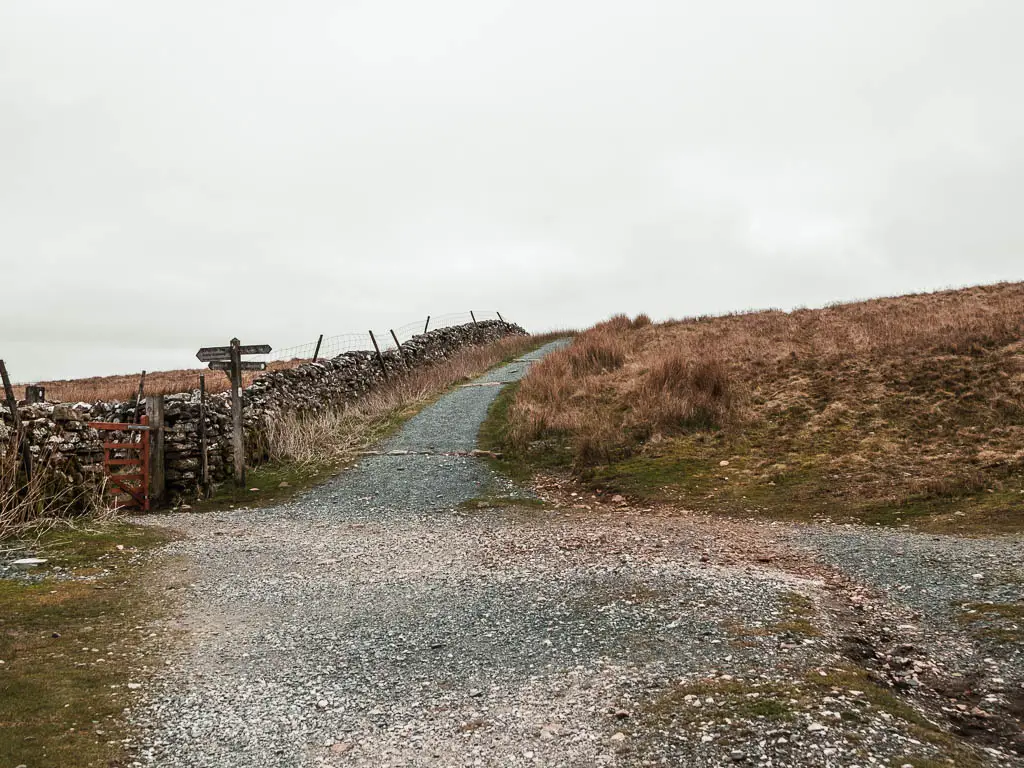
(173, 174)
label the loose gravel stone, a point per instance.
(374, 621)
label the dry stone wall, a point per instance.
(61, 439)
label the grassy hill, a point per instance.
(125, 387)
(906, 409)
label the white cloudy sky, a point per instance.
(172, 174)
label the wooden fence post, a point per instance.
(138, 398)
(316, 353)
(204, 460)
(472, 316)
(157, 478)
(20, 443)
(401, 352)
(237, 436)
(426, 324)
(501, 318)
(380, 357)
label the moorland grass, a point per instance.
(906, 410)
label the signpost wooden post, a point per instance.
(229, 359)
(237, 438)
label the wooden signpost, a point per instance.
(229, 359)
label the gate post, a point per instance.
(157, 481)
(237, 436)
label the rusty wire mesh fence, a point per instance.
(353, 341)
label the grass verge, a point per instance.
(72, 642)
(518, 465)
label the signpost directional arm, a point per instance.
(245, 365)
(209, 354)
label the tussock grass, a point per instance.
(677, 393)
(40, 502)
(607, 396)
(597, 352)
(890, 410)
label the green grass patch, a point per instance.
(503, 502)
(884, 699)
(798, 618)
(734, 699)
(688, 471)
(782, 701)
(984, 512)
(493, 436)
(265, 485)
(70, 647)
(94, 544)
(998, 622)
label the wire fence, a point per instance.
(355, 341)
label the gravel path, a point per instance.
(379, 620)
(961, 602)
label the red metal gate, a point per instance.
(131, 454)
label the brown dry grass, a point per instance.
(124, 387)
(41, 501)
(894, 401)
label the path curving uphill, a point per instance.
(385, 619)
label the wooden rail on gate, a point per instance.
(132, 484)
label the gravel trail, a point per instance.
(379, 620)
